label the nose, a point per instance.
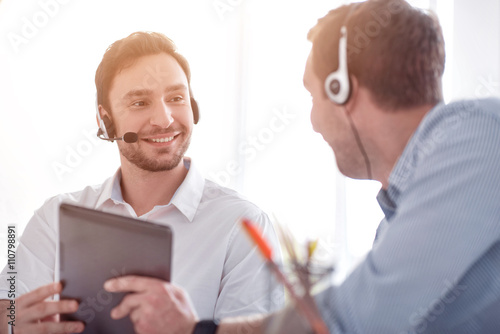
(162, 116)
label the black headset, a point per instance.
(107, 127)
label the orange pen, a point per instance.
(256, 235)
(314, 319)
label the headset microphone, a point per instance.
(129, 137)
(107, 129)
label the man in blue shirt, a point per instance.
(374, 74)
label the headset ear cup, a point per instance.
(196, 110)
(337, 84)
(110, 127)
(337, 87)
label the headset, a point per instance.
(107, 127)
(337, 83)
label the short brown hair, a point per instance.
(393, 49)
(124, 52)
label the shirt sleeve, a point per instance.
(446, 220)
(35, 254)
(247, 285)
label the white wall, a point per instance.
(476, 49)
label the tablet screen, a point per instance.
(95, 246)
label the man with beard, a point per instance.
(143, 86)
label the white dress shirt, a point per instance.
(213, 259)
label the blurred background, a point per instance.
(247, 59)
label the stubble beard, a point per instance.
(137, 157)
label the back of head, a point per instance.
(393, 49)
(124, 52)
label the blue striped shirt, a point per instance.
(435, 264)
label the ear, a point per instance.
(196, 110)
(103, 113)
(97, 116)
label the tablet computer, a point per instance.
(95, 246)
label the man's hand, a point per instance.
(154, 306)
(36, 315)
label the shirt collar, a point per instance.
(111, 190)
(186, 198)
(386, 204)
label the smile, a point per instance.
(161, 140)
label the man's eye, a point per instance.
(177, 99)
(138, 104)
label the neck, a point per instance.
(143, 190)
(393, 131)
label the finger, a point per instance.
(39, 294)
(66, 327)
(141, 325)
(132, 283)
(177, 292)
(135, 316)
(52, 318)
(46, 309)
(128, 304)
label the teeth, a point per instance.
(162, 140)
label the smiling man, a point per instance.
(151, 98)
(143, 88)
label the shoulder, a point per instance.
(467, 127)
(469, 115)
(86, 197)
(225, 208)
(217, 196)
(464, 127)
(457, 140)
(454, 148)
